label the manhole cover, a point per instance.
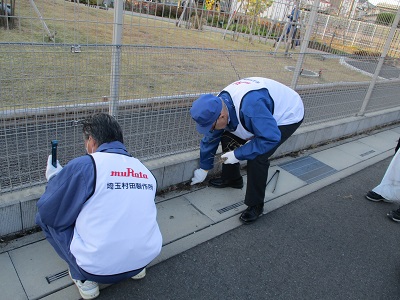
(303, 72)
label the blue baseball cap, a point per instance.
(205, 111)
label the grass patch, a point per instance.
(158, 58)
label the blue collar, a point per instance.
(233, 121)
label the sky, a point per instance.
(375, 2)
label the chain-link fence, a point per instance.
(145, 62)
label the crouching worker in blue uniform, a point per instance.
(98, 212)
(251, 118)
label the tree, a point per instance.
(385, 18)
(7, 11)
(256, 7)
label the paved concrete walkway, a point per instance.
(30, 269)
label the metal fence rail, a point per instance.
(53, 76)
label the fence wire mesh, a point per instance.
(60, 61)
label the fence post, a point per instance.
(326, 25)
(304, 44)
(116, 57)
(355, 34)
(51, 36)
(373, 33)
(380, 63)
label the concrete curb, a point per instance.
(18, 209)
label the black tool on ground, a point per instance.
(54, 144)
(276, 182)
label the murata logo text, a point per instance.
(129, 173)
(246, 81)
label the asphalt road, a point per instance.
(387, 71)
(331, 244)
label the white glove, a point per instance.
(230, 158)
(199, 176)
(51, 170)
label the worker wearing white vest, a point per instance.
(251, 118)
(98, 212)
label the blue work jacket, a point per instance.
(256, 114)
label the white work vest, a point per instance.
(116, 230)
(288, 106)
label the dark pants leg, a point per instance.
(109, 279)
(230, 142)
(257, 169)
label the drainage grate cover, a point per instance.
(367, 153)
(56, 276)
(228, 208)
(308, 169)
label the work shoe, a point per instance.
(375, 197)
(88, 289)
(140, 275)
(252, 213)
(394, 215)
(223, 183)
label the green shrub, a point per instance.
(385, 18)
(324, 47)
(168, 11)
(91, 2)
(239, 28)
(361, 52)
(216, 19)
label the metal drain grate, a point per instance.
(367, 153)
(56, 276)
(230, 207)
(308, 169)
